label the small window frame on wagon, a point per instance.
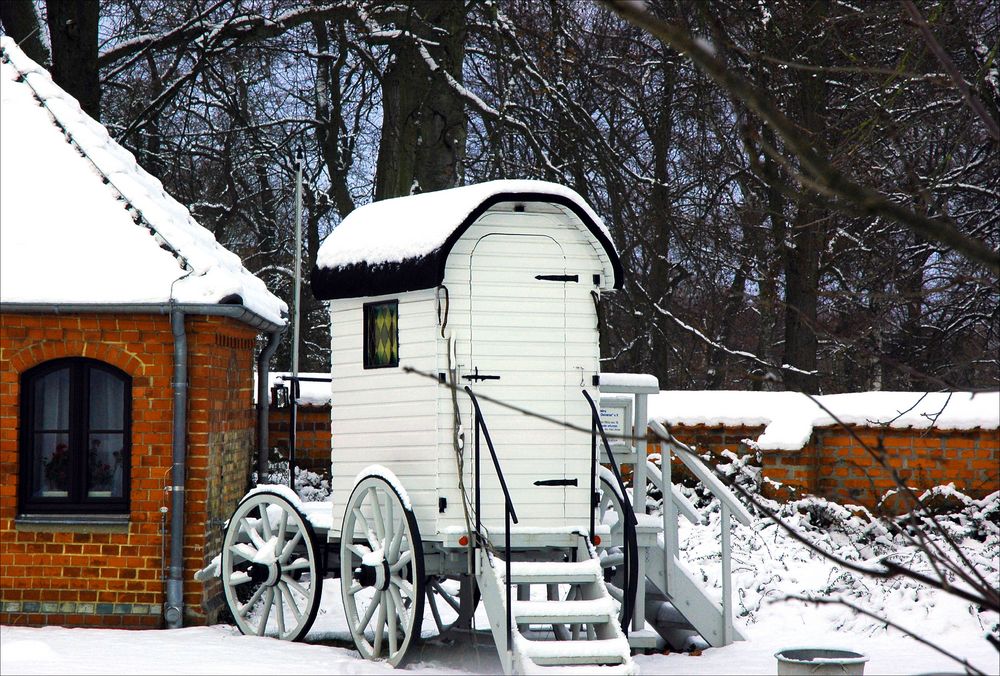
(370, 346)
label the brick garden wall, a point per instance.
(312, 438)
(836, 465)
(112, 575)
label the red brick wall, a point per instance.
(836, 465)
(312, 438)
(112, 575)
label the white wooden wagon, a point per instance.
(467, 446)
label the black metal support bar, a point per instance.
(508, 511)
(631, 547)
(292, 425)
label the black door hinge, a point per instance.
(557, 482)
(558, 278)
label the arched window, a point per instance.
(75, 444)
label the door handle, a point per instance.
(477, 376)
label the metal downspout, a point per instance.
(263, 362)
(174, 613)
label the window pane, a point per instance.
(107, 401)
(381, 335)
(105, 468)
(51, 393)
(51, 465)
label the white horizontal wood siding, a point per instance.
(385, 416)
(553, 450)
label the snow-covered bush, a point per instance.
(310, 486)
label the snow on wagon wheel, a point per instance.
(381, 571)
(270, 571)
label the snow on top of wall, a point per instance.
(82, 222)
(394, 230)
(310, 393)
(788, 418)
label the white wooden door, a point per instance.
(518, 349)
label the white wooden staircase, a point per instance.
(595, 643)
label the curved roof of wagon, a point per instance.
(403, 244)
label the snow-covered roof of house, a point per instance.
(82, 223)
(402, 244)
(788, 418)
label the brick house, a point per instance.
(127, 335)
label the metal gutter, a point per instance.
(238, 312)
(174, 611)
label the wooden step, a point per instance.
(554, 572)
(596, 611)
(595, 652)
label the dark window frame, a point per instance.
(368, 341)
(77, 502)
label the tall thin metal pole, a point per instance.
(296, 316)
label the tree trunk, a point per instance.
(423, 123)
(73, 32)
(20, 21)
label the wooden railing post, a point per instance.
(727, 579)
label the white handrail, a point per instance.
(701, 470)
(681, 501)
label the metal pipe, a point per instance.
(238, 312)
(174, 613)
(263, 410)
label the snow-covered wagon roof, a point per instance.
(82, 223)
(403, 244)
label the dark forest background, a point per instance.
(805, 194)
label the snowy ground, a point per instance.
(768, 567)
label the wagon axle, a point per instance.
(265, 573)
(373, 575)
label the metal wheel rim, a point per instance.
(377, 530)
(282, 546)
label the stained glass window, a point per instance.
(381, 334)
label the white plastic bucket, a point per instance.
(817, 661)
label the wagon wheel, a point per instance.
(610, 512)
(270, 571)
(382, 571)
(444, 599)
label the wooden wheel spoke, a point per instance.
(377, 515)
(379, 627)
(298, 564)
(265, 521)
(393, 622)
(287, 550)
(282, 530)
(292, 605)
(251, 530)
(245, 608)
(397, 540)
(372, 607)
(404, 559)
(432, 602)
(397, 601)
(444, 595)
(295, 585)
(355, 588)
(403, 585)
(238, 578)
(243, 550)
(358, 550)
(279, 610)
(265, 611)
